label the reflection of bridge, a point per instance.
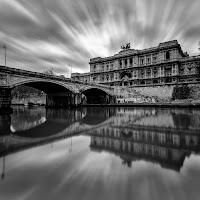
(60, 91)
(166, 146)
(59, 124)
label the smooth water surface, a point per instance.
(100, 153)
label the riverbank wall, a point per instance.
(188, 93)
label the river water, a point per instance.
(100, 153)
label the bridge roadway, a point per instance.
(61, 91)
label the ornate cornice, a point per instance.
(126, 53)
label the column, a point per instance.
(118, 64)
(128, 62)
(77, 99)
(122, 63)
(160, 71)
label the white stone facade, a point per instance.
(161, 65)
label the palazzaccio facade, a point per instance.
(161, 65)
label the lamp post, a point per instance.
(199, 46)
(4, 46)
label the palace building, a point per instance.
(165, 64)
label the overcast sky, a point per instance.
(45, 34)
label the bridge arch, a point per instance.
(96, 95)
(39, 84)
(59, 94)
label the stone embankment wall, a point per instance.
(161, 92)
(167, 93)
(144, 94)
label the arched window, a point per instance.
(155, 82)
(167, 55)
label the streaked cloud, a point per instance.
(44, 34)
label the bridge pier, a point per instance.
(100, 99)
(58, 101)
(63, 100)
(5, 100)
(112, 99)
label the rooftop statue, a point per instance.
(126, 47)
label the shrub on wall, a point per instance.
(181, 92)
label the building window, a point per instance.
(167, 55)
(125, 63)
(155, 82)
(148, 73)
(142, 61)
(111, 77)
(107, 77)
(111, 67)
(120, 63)
(131, 61)
(154, 58)
(173, 69)
(148, 60)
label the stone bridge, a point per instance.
(61, 91)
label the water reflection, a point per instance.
(147, 126)
(167, 147)
(125, 144)
(24, 118)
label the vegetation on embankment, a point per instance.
(26, 94)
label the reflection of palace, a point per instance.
(166, 146)
(164, 64)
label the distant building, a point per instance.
(164, 64)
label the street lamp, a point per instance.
(71, 70)
(199, 46)
(4, 47)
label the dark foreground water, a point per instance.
(100, 153)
